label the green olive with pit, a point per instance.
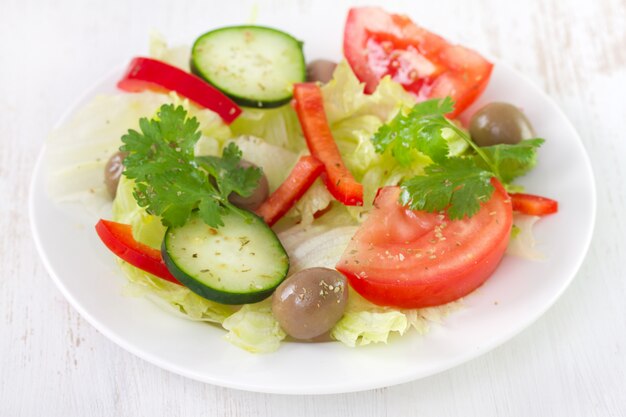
(499, 123)
(310, 302)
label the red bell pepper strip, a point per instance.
(119, 239)
(300, 178)
(151, 74)
(310, 108)
(533, 204)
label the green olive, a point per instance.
(498, 123)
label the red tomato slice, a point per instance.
(376, 44)
(412, 259)
(533, 204)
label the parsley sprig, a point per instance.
(171, 182)
(456, 183)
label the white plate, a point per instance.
(518, 293)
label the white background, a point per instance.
(571, 362)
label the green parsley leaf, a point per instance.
(229, 175)
(457, 185)
(512, 161)
(168, 181)
(420, 129)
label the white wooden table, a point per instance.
(571, 362)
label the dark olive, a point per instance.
(498, 123)
(320, 70)
(258, 196)
(310, 302)
(113, 171)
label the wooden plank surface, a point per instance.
(571, 362)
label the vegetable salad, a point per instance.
(336, 202)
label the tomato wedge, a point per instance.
(377, 44)
(151, 74)
(533, 204)
(300, 179)
(412, 259)
(119, 239)
(309, 105)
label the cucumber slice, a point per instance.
(241, 262)
(256, 66)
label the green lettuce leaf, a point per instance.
(178, 56)
(279, 126)
(344, 97)
(365, 327)
(254, 328)
(275, 161)
(172, 297)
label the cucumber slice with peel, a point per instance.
(241, 262)
(256, 66)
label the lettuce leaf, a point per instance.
(279, 126)
(364, 323)
(317, 198)
(344, 97)
(365, 327)
(274, 160)
(254, 328)
(77, 151)
(147, 229)
(178, 56)
(174, 298)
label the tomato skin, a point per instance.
(410, 259)
(377, 44)
(534, 205)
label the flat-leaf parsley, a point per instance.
(457, 184)
(170, 182)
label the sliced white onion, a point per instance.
(523, 243)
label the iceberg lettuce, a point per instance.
(178, 56)
(365, 327)
(279, 126)
(254, 328)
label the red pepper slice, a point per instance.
(533, 204)
(301, 177)
(119, 239)
(151, 74)
(309, 105)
